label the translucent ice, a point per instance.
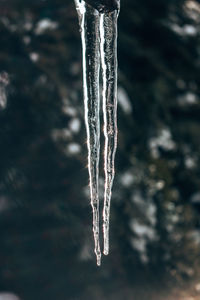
(108, 25)
(98, 24)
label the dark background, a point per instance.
(46, 241)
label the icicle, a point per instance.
(108, 25)
(89, 22)
(98, 22)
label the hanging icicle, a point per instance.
(98, 23)
(109, 66)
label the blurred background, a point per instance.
(46, 240)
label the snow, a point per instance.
(190, 162)
(142, 230)
(34, 56)
(148, 208)
(127, 179)
(124, 101)
(195, 198)
(73, 148)
(8, 296)
(44, 25)
(68, 109)
(160, 184)
(188, 98)
(192, 9)
(162, 140)
(186, 30)
(74, 125)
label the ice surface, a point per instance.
(89, 22)
(108, 31)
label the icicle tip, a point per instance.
(99, 261)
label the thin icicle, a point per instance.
(89, 22)
(108, 31)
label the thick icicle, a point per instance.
(108, 31)
(89, 22)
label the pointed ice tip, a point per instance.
(99, 261)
